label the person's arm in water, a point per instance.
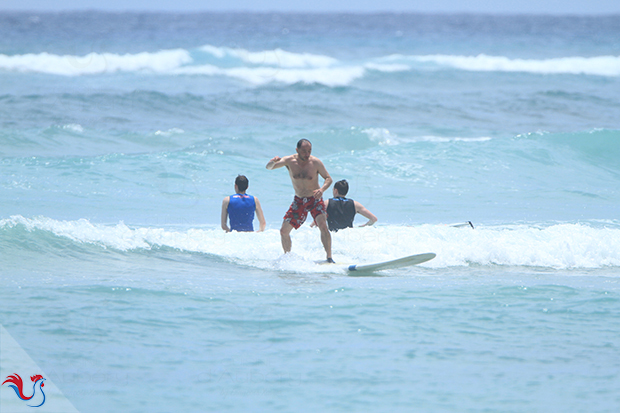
(363, 211)
(225, 214)
(260, 216)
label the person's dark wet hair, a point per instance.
(301, 142)
(342, 187)
(242, 183)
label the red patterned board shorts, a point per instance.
(296, 214)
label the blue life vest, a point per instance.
(241, 209)
(340, 213)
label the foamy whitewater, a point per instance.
(120, 134)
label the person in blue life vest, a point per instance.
(240, 208)
(341, 211)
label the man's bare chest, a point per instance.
(305, 172)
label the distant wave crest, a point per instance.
(163, 61)
(276, 57)
(278, 65)
(597, 65)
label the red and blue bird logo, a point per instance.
(15, 382)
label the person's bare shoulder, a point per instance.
(320, 168)
(288, 159)
(316, 161)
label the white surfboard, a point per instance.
(397, 263)
(466, 224)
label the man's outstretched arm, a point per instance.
(276, 162)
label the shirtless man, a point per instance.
(304, 170)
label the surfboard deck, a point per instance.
(392, 264)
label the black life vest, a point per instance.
(340, 213)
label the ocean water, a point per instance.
(120, 134)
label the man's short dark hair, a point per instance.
(242, 183)
(301, 142)
(342, 187)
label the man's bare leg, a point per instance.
(285, 235)
(326, 236)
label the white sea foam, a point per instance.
(559, 246)
(276, 57)
(450, 139)
(384, 137)
(330, 76)
(388, 68)
(595, 65)
(96, 63)
(381, 135)
(73, 127)
(287, 67)
(266, 67)
(283, 66)
(170, 132)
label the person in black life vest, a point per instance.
(341, 211)
(240, 207)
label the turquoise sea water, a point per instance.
(120, 134)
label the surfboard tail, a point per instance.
(397, 263)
